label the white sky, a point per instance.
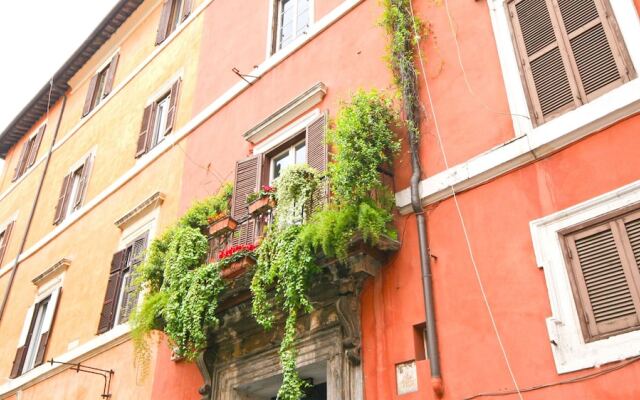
(36, 38)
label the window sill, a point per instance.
(570, 351)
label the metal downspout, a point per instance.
(5, 298)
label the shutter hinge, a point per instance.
(570, 254)
(585, 316)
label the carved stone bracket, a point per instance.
(348, 311)
(205, 389)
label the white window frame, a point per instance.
(570, 351)
(290, 152)
(610, 105)
(160, 124)
(71, 209)
(273, 41)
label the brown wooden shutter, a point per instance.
(606, 292)
(130, 297)
(173, 103)
(145, 130)
(84, 181)
(186, 9)
(23, 342)
(317, 144)
(111, 74)
(247, 181)
(47, 325)
(163, 27)
(35, 146)
(632, 227)
(595, 55)
(63, 199)
(110, 302)
(5, 240)
(543, 57)
(22, 160)
(88, 101)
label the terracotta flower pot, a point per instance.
(261, 205)
(237, 268)
(222, 225)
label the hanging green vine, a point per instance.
(181, 288)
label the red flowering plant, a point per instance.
(235, 253)
(265, 190)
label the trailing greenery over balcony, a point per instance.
(183, 289)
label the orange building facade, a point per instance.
(530, 186)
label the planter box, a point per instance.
(237, 268)
(222, 226)
(261, 205)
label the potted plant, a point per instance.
(235, 260)
(262, 200)
(221, 223)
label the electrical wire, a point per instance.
(462, 223)
(565, 382)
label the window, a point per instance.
(29, 153)
(121, 296)
(293, 19)
(35, 334)
(5, 234)
(158, 120)
(74, 187)
(100, 85)
(604, 262)
(295, 154)
(569, 54)
(589, 254)
(173, 12)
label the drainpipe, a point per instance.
(409, 89)
(33, 210)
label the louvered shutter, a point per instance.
(145, 130)
(543, 58)
(21, 161)
(63, 199)
(317, 157)
(111, 74)
(47, 324)
(186, 9)
(163, 27)
(35, 146)
(88, 101)
(5, 240)
(606, 288)
(84, 181)
(594, 51)
(130, 297)
(173, 103)
(632, 228)
(109, 304)
(24, 339)
(247, 181)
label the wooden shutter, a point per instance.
(145, 130)
(135, 258)
(35, 146)
(110, 302)
(543, 58)
(186, 9)
(88, 101)
(22, 160)
(111, 74)
(632, 228)
(63, 199)
(596, 57)
(173, 102)
(23, 341)
(317, 144)
(5, 240)
(605, 286)
(47, 324)
(84, 180)
(247, 181)
(163, 27)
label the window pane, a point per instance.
(301, 153)
(302, 22)
(287, 22)
(34, 342)
(73, 192)
(161, 120)
(280, 163)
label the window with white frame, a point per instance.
(158, 119)
(173, 13)
(38, 322)
(295, 153)
(591, 257)
(73, 189)
(293, 18)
